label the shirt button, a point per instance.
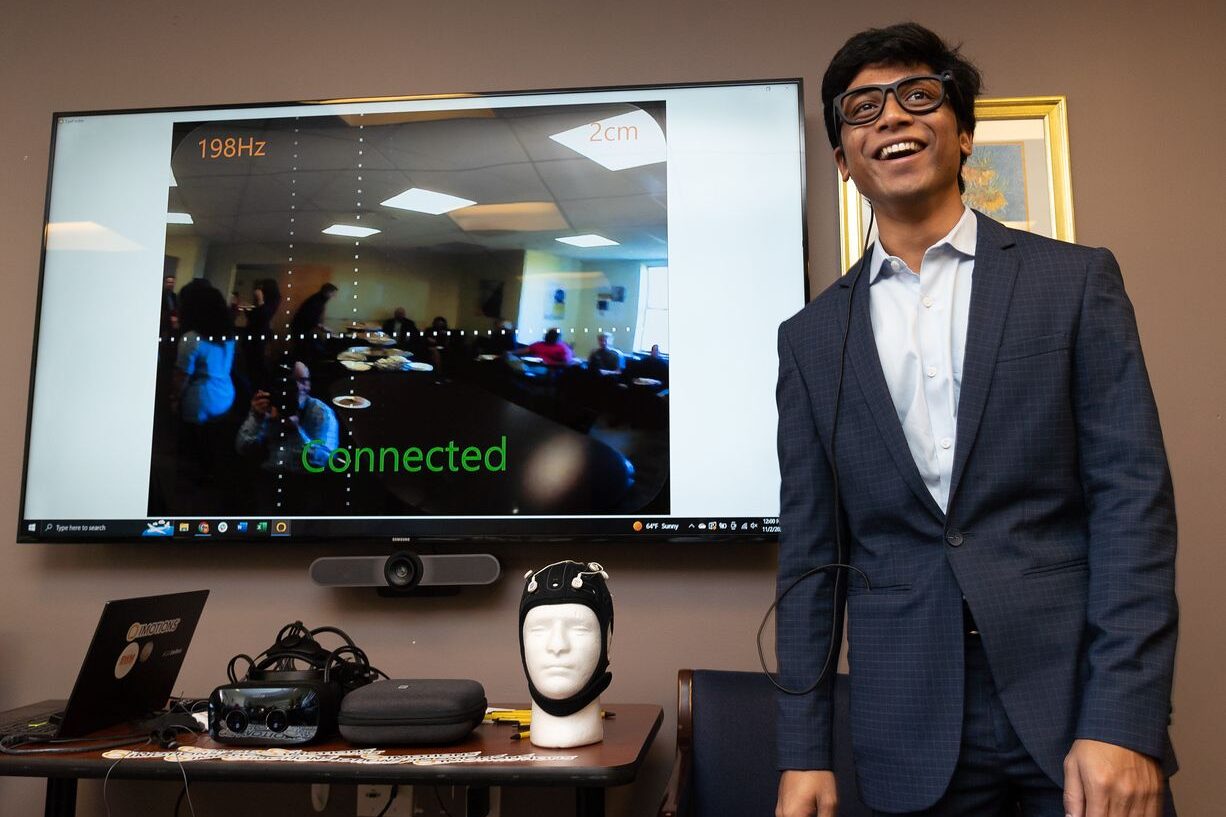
(932, 371)
(928, 301)
(895, 264)
(954, 538)
(946, 442)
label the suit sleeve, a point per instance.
(806, 540)
(1132, 614)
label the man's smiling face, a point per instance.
(903, 160)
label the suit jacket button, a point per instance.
(954, 538)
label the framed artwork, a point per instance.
(1018, 173)
(555, 302)
(610, 295)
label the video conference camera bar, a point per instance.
(407, 574)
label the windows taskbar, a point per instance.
(399, 529)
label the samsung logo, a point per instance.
(138, 630)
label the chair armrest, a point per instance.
(677, 796)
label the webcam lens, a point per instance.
(402, 570)
(236, 721)
(277, 720)
(401, 573)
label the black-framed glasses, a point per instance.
(919, 94)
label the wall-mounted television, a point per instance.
(512, 315)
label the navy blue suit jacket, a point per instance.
(1060, 530)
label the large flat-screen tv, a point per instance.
(519, 315)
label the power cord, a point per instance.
(185, 793)
(12, 744)
(106, 801)
(391, 798)
(439, 798)
(106, 779)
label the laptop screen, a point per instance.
(133, 661)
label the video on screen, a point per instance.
(443, 313)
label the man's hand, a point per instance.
(1105, 780)
(807, 794)
(261, 405)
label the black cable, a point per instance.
(15, 744)
(10, 744)
(284, 660)
(355, 673)
(166, 735)
(230, 666)
(840, 565)
(335, 631)
(188, 706)
(296, 630)
(347, 665)
(179, 801)
(780, 598)
(439, 798)
(391, 798)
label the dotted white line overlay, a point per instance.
(359, 335)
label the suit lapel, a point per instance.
(991, 288)
(866, 364)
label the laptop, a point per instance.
(129, 670)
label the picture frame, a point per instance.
(1018, 173)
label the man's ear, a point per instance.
(840, 159)
(966, 142)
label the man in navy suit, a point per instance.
(1001, 483)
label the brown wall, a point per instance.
(1148, 163)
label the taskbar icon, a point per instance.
(700, 526)
(196, 528)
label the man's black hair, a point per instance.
(272, 293)
(903, 44)
(203, 309)
(326, 288)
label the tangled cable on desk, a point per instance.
(296, 654)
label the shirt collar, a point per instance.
(961, 239)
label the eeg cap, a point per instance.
(570, 582)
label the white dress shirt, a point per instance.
(919, 324)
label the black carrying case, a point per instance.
(413, 712)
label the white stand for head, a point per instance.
(579, 729)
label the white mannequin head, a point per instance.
(566, 622)
(561, 648)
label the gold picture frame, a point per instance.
(1004, 176)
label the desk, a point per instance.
(613, 762)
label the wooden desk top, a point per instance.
(614, 761)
